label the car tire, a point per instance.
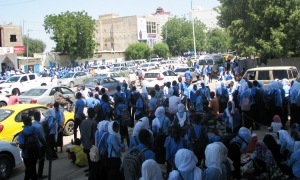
(69, 128)
(2, 103)
(16, 140)
(71, 85)
(6, 166)
(17, 91)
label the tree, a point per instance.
(178, 34)
(217, 40)
(161, 49)
(35, 46)
(73, 33)
(264, 28)
(138, 51)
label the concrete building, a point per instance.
(207, 16)
(10, 45)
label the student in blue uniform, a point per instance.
(193, 96)
(105, 107)
(161, 121)
(123, 129)
(231, 116)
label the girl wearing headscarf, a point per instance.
(286, 141)
(276, 124)
(181, 115)
(114, 151)
(161, 122)
(223, 96)
(185, 161)
(258, 87)
(151, 171)
(225, 160)
(246, 93)
(296, 129)
(144, 94)
(134, 140)
(263, 156)
(294, 161)
(274, 147)
(213, 161)
(236, 147)
(50, 117)
(294, 95)
(101, 137)
(285, 103)
(231, 116)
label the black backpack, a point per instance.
(100, 114)
(258, 96)
(32, 147)
(46, 127)
(133, 164)
(160, 139)
(226, 138)
(125, 117)
(270, 100)
(223, 98)
(200, 144)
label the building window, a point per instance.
(151, 27)
(13, 38)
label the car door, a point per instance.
(19, 118)
(77, 78)
(68, 92)
(25, 83)
(113, 83)
(51, 96)
(173, 76)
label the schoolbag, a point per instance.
(270, 100)
(94, 151)
(46, 127)
(99, 112)
(31, 145)
(125, 117)
(133, 164)
(200, 144)
(204, 98)
(246, 103)
(258, 96)
(223, 98)
(226, 138)
(159, 141)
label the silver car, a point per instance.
(72, 79)
(181, 72)
(45, 94)
(111, 74)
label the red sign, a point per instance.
(19, 49)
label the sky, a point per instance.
(32, 12)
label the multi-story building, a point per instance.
(207, 16)
(10, 45)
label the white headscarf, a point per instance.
(151, 171)
(144, 90)
(160, 111)
(244, 87)
(285, 136)
(285, 82)
(261, 84)
(218, 87)
(112, 132)
(143, 123)
(229, 113)
(50, 113)
(185, 161)
(223, 151)
(297, 146)
(245, 130)
(103, 126)
(182, 119)
(213, 156)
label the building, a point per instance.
(11, 44)
(207, 16)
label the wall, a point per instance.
(10, 61)
(207, 16)
(6, 31)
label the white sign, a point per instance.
(142, 29)
(6, 50)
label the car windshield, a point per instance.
(5, 113)
(180, 70)
(102, 67)
(117, 65)
(152, 75)
(114, 69)
(163, 62)
(202, 62)
(210, 61)
(34, 92)
(144, 65)
(13, 79)
(101, 75)
(69, 75)
(91, 81)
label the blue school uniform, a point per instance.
(103, 144)
(199, 105)
(139, 106)
(294, 162)
(193, 96)
(164, 125)
(205, 92)
(212, 173)
(245, 94)
(224, 92)
(114, 147)
(240, 142)
(185, 89)
(197, 129)
(172, 147)
(90, 102)
(236, 118)
(105, 109)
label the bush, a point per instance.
(122, 74)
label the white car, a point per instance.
(100, 68)
(152, 78)
(111, 74)
(3, 100)
(9, 158)
(147, 66)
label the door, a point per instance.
(51, 96)
(25, 83)
(37, 68)
(25, 68)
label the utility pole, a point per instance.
(27, 49)
(193, 31)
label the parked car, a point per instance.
(22, 83)
(181, 72)
(11, 120)
(45, 95)
(147, 66)
(126, 70)
(154, 77)
(107, 82)
(100, 68)
(73, 79)
(3, 100)
(9, 158)
(111, 74)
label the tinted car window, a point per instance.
(23, 79)
(263, 75)
(34, 92)
(251, 74)
(280, 74)
(66, 91)
(112, 80)
(295, 73)
(180, 70)
(52, 92)
(210, 61)
(202, 62)
(31, 77)
(5, 113)
(152, 75)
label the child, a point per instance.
(193, 96)
(79, 158)
(123, 130)
(199, 105)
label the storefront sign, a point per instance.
(19, 49)
(6, 50)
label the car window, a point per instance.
(112, 80)
(34, 92)
(23, 114)
(280, 74)
(66, 91)
(192, 69)
(24, 79)
(251, 74)
(116, 75)
(202, 62)
(31, 77)
(52, 92)
(295, 72)
(171, 73)
(41, 110)
(100, 75)
(263, 75)
(290, 74)
(105, 81)
(152, 75)
(5, 113)
(77, 74)
(180, 70)
(82, 73)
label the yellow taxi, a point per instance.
(11, 120)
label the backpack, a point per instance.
(270, 100)
(100, 114)
(46, 127)
(204, 98)
(125, 117)
(32, 147)
(246, 103)
(226, 138)
(258, 96)
(133, 164)
(200, 144)
(94, 151)
(160, 139)
(223, 98)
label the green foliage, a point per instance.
(122, 74)
(217, 40)
(178, 34)
(34, 46)
(161, 49)
(73, 33)
(138, 51)
(264, 28)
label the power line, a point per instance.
(16, 3)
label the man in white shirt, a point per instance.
(206, 81)
(173, 105)
(132, 77)
(84, 92)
